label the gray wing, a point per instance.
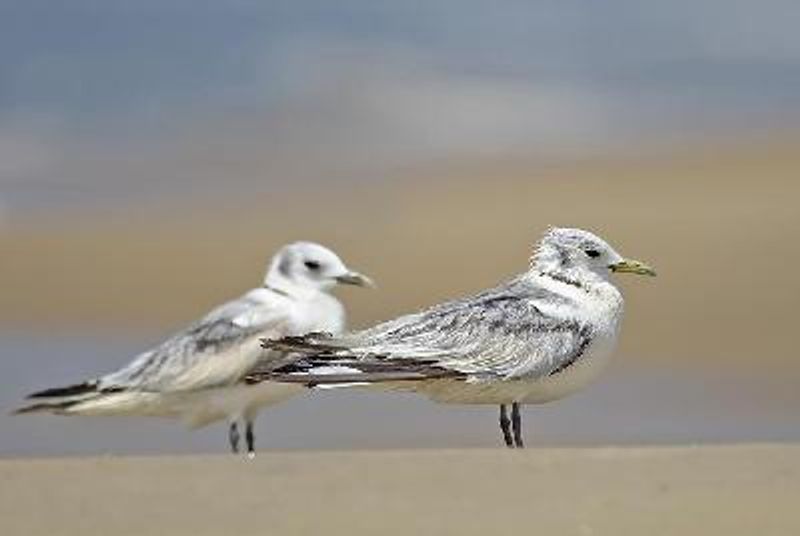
(499, 333)
(200, 355)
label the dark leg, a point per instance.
(516, 423)
(251, 440)
(233, 437)
(504, 426)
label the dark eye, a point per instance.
(593, 253)
(312, 265)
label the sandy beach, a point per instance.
(731, 490)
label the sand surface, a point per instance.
(731, 490)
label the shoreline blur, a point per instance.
(718, 224)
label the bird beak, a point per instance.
(354, 278)
(631, 266)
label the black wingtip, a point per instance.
(277, 344)
(52, 407)
(70, 390)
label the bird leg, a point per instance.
(504, 426)
(251, 440)
(233, 437)
(516, 423)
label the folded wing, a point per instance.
(502, 333)
(205, 354)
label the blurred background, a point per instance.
(153, 155)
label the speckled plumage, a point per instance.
(536, 338)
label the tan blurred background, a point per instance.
(719, 222)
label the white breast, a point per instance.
(574, 377)
(602, 309)
(323, 313)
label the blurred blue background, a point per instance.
(109, 100)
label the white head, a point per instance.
(306, 266)
(578, 255)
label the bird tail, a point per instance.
(61, 400)
(58, 399)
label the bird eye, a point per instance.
(593, 253)
(312, 265)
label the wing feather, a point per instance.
(199, 356)
(500, 333)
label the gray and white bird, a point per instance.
(537, 338)
(195, 375)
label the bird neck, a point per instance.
(277, 290)
(576, 278)
(592, 297)
(278, 283)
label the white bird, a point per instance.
(537, 338)
(195, 375)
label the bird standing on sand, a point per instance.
(539, 337)
(195, 374)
